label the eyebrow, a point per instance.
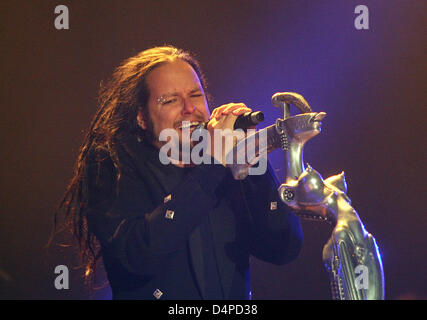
(172, 94)
(195, 90)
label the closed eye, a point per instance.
(169, 101)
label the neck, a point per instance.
(294, 161)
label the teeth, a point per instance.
(188, 124)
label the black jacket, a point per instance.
(147, 253)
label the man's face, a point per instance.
(176, 95)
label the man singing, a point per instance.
(175, 231)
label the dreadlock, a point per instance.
(119, 101)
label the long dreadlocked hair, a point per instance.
(120, 99)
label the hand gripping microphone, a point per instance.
(244, 121)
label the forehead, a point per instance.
(173, 77)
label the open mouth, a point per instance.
(318, 117)
(189, 125)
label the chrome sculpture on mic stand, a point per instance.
(351, 256)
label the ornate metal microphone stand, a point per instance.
(351, 256)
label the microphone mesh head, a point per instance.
(257, 117)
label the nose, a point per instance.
(188, 107)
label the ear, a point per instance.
(338, 181)
(140, 119)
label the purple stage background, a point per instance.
(370, 82)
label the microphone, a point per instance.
(248, 119)
(244, 121)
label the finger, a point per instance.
(229, 108)
(233, 106)
(235, 109)
(221, 121)
(214, 123)
(229, 115)
(218, 111)
(241, 110)
(228, 121)
(214, 113)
